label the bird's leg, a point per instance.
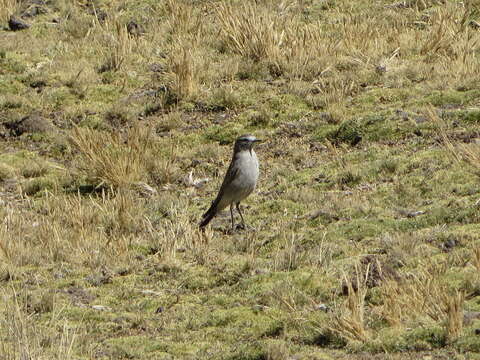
(231, 214)
(241, 215)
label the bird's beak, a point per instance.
(257, 140)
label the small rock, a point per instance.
(122, 271)
(327, 117)
(158, 68)
(150, 292)
(30, 124)
(449, 244)
(381, 69)
(258, 308)
(402, 115)
(101, 308)
(412, 214)
(260, 271)
(80, 296)
(321, 307)
(16, 24)
(470, 316)
(420, 119)
(98, 279)
(135, 29)
(316, 146)
(474, 24)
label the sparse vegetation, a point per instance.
(117, 120)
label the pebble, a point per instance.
(16, 24)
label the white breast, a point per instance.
(246, 176)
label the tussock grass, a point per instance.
(476, 257)
(468, 154)
(184, 20)
(349, 323)
(119, 161)
(24, 339)
(410, 300)
(251, 30)
(117, 44)
(454, 309)
(107, 160)
(184, 72)
(7, 9)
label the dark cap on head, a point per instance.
(245, 142)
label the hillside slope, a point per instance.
(365, 226)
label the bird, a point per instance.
(239, 182)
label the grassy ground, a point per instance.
(367, 216)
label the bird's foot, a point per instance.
(244, 226)
(240, 227)
(236, 228)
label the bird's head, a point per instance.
(245, 142)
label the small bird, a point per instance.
(239, 182)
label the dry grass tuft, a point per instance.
(250, 30)
(476, 257)
(7, 9)
(463, 153)
(184, 72)
(454, 314)
(183, 20)
(120, 161)
(108, 159)
(274, 34)
(117, 44)
(291, 256)
(350, 322)
(422, 299)
(24, 340)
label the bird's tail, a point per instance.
(209, 215)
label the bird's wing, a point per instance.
(229, 177)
